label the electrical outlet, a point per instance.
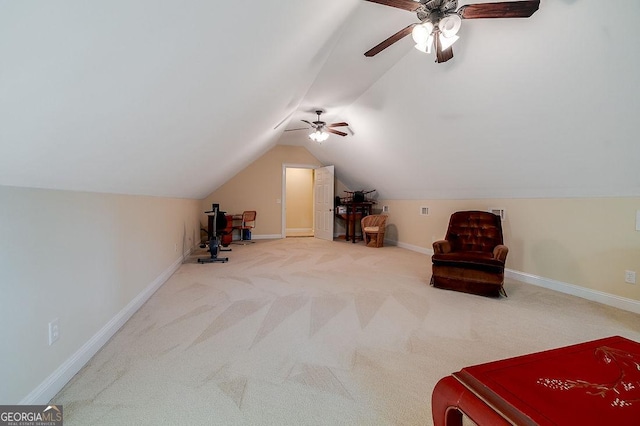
(630, 277)
(54, 331)
(175, 247)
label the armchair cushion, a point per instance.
(470, 259)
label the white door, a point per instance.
(323, 192)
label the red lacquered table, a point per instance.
(592, 383)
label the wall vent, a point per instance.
(385, 209)
(424, 211)
(498, 211)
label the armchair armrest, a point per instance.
(500, 252)
(441, 247)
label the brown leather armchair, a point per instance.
(472, 256)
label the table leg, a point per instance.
(346, 232)
(353, 237)
(450, 398)
(354, 227)
(444, 402)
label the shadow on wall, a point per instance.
(514, 245)
(391, 233)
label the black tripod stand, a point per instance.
(214, 244)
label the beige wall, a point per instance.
(81, 258)
(299, 198)
(259, 187)
(588, 242)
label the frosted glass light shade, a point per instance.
(447, 42)
(421, 32)
(319, 136)
(425, 47)
(450, 25)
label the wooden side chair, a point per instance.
(245, 227)
(373, 229)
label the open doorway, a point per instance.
(307, 201)
(298, 202)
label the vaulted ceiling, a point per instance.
(173, 98)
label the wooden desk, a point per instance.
(592, 383)
(355, 211)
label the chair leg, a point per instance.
(373, 240)
(242, 241)
(503, 291)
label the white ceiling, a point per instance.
(172, 98)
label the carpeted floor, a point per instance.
(303, 331)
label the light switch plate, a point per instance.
(630, 277)
(54, 331)
(637, 220)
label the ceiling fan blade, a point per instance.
(442, 55)
(299, 128)
(336, 132)
(309, 123)
(508, 9)
(409, 5)
(341, 124)
(388, 42)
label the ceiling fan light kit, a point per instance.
(440, 22)
(319, 136)
(423, 34)
(322, 129)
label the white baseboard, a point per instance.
(624, 303)
(266, 237)
(42, 394)
(410, 247)
(575, 290)
(297, 230)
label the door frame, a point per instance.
(283, 200)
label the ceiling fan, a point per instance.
(322, 129)
(440, 21)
